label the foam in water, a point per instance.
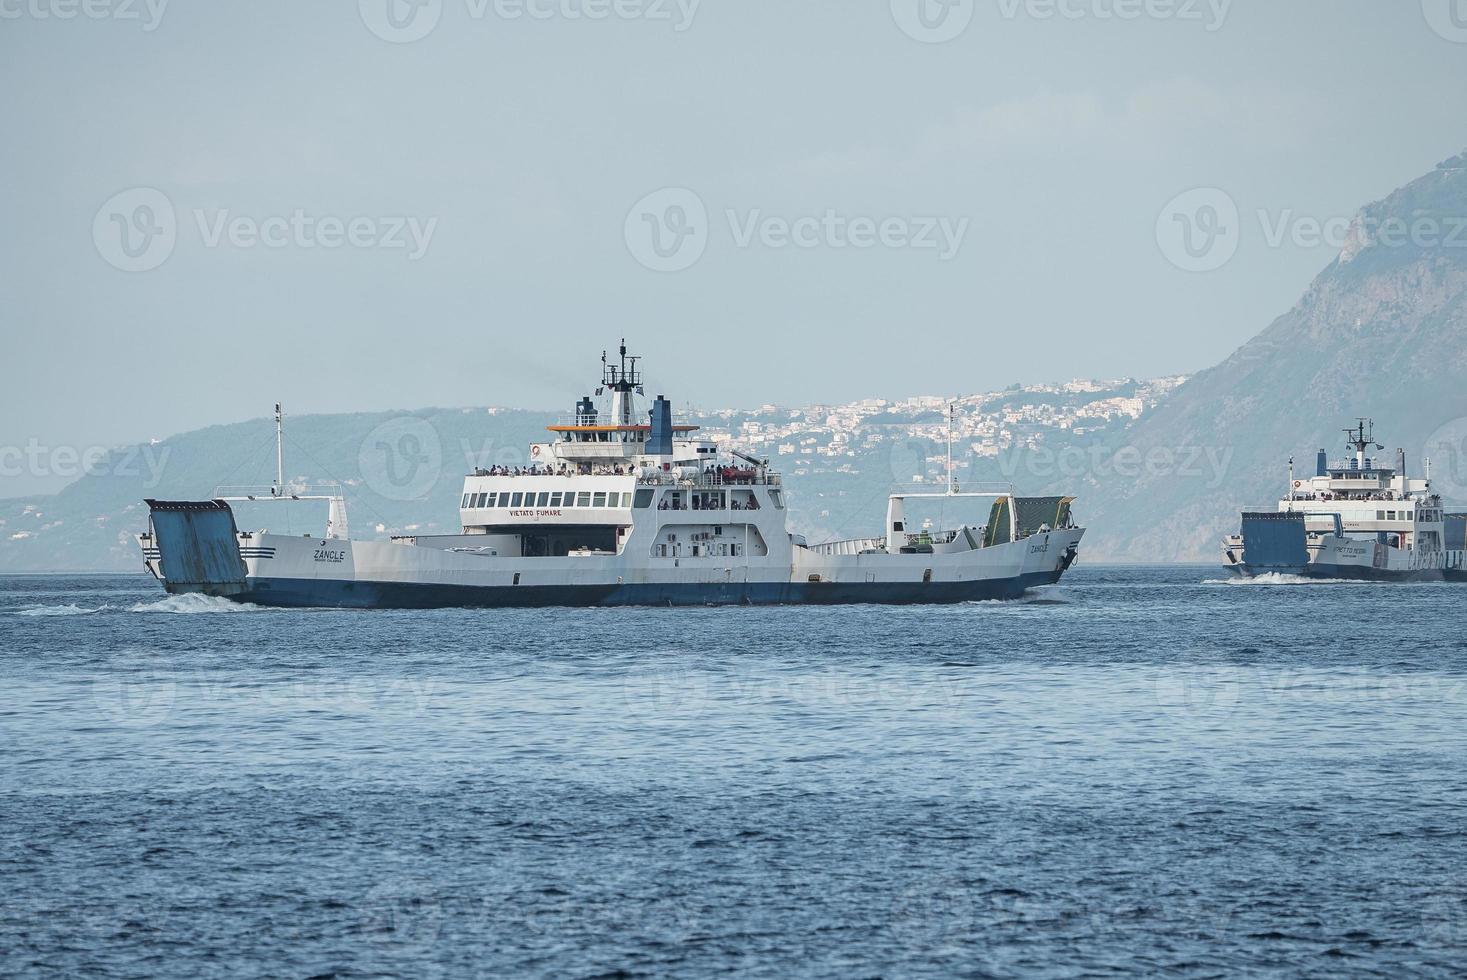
(192, 602)
(1278, 578)
(69, 609)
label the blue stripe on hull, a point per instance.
(336, 593)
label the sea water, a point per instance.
(1141, 770)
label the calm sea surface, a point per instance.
(1137, 771)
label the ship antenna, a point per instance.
(279, 452)
(952, 411)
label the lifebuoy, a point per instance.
(1298, 484)
(535, 451)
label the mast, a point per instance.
(952, 411)
(622, 381)
(279, 453)
(1361, 438)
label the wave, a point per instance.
(1279, 578)
(193, 602)
(69, 609)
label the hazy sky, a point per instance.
(351, 206)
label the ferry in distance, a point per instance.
(1355, 518)
(621, 506)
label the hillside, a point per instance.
(1382, 332)
(402, 472)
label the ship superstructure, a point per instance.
(621, 505)
(1354, 517)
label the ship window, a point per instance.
(543, 500)
(483, 499)
(1380, 515)
(555, 499)
(644, 499)
(598, 500)
(583, 500)
(1390, 515)
(468, 499)
(776, 499)
(517, 500)
(718, 530)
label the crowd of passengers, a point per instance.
(582, 469)
(700, 502)
(724, 474)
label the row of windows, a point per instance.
(548, 499)
(1405, 515)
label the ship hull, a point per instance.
(348, 594)
(295, 572)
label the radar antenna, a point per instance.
(621, 377)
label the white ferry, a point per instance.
(618, 508)
(1353, 519)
